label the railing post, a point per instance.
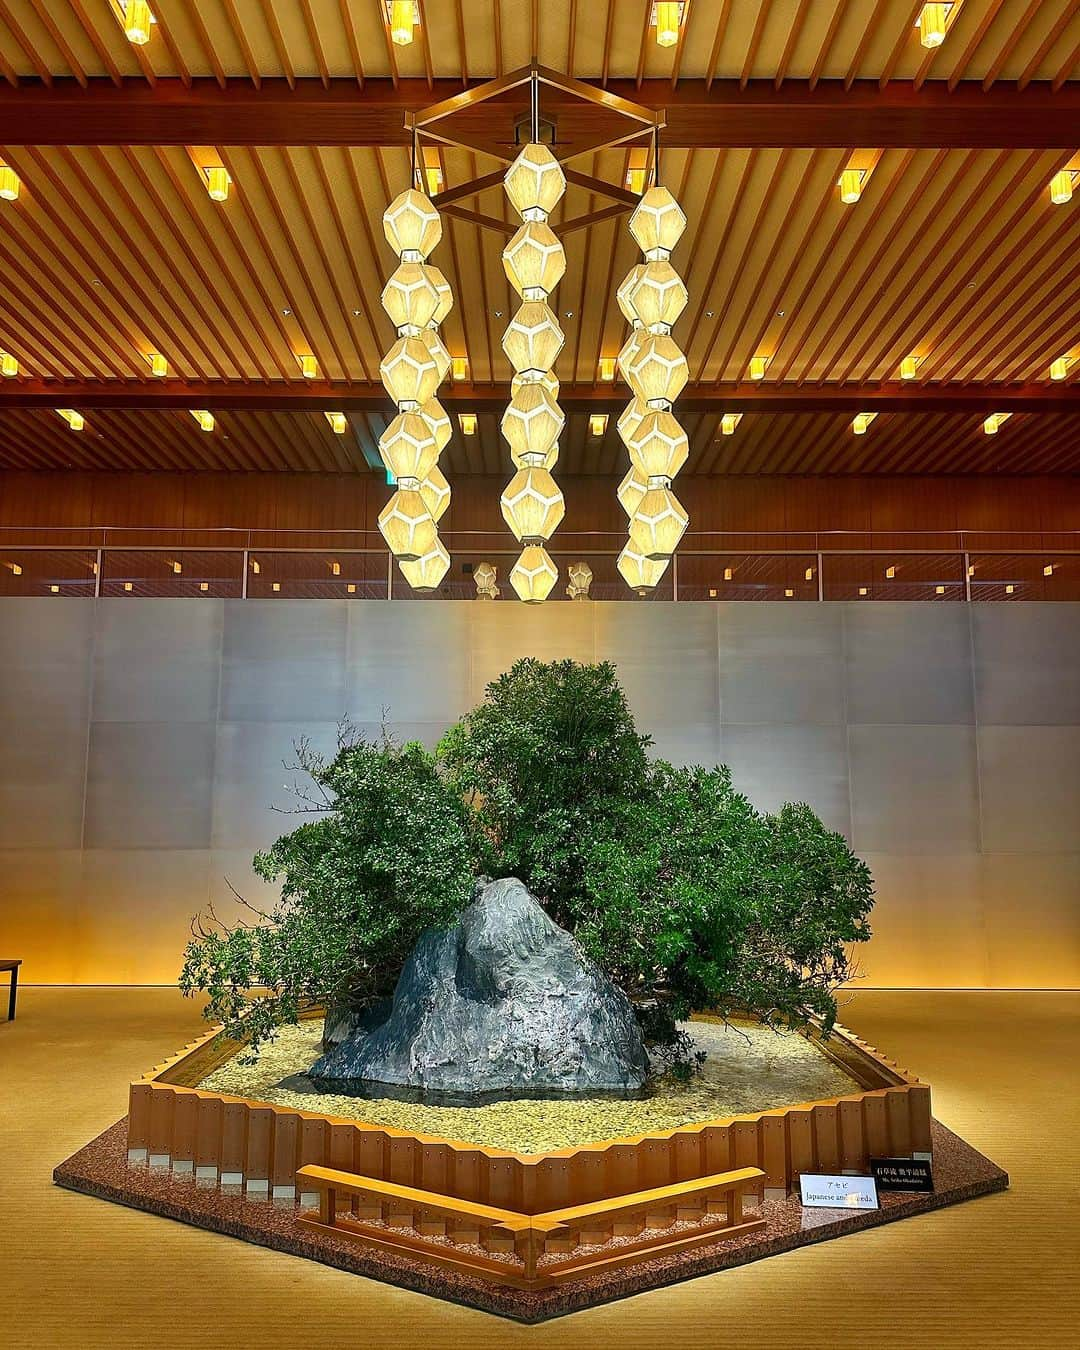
(675, 576)
(389, 576)
(967, 577)
(820, 577)
(243, 584)
(99, 566)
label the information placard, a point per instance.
(903, 1174)
(837, 1192)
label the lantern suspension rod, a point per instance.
(534, 102)
(656, 156)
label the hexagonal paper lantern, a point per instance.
(534, 260)
(484, 575)
(532, 423)
(435, 491)
(407, 526)
(434, 343)
(629, 351)
(410, 297)
(630, 416)
(409, 449)
(579, 577)
(409, 372)
(658, 296)
(424, 574)
(434, 414)
(640, 573)
(658, 524)
(657, 223)
(412, 225)
(622, 295)
(534, 574)
(658, 446)
(532, 504)
(534, 182)
(657, 371)
(445, 294)
(631, 490)
(533, 338)
(547, 379)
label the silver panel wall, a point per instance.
(144, 743)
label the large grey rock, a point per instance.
(501, 1003)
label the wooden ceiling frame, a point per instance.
(420, 125)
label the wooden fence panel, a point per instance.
(827, 1137)
(259, 1136)
(162, 1105)
(899, 1117)
(208, 1138)
(853, 1157)
(185, 1120)
(236, 1119)
(284, 1151)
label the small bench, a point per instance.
(13, 966)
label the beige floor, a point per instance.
(997, 1272)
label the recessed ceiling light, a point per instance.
(96, 281)
(498, 313)
(780, 313)
(708, 313)
(356, 313)
(569, 314)
(286, 311)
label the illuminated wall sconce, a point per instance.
(607, 368)
(255, 567)
(127, 586)
(971, 569)
(1048, 570)
(204, 586)
(727, 573)
(864, 590)
(16, 569)
(75, 420)
(205, 419)
(309, 367)
(401, 16)
(890, 572)
(159, 366)
(55, 590)
(459, 368)
(335, 569)
(909, 367)
(275, 585)
(932, 24)
(10, 183)
(1009, 589)
(939, 590)
(789, 594)
(637, 166)
(1061, 187)
(757, 367)
(468, 423)
(667, 17)
(809, 574)
(217, 182)
(339, 423)
(136, 18)
(9, 365)
(177, 567)
(1059, 369)
(712, 592)
(729, 422)
(598, 423)
(861, 422)
(351, 588)
(850, 184)
(990, 426)
(433, 170)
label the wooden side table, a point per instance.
(13, 966)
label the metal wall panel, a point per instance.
(826, 703)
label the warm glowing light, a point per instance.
(658, 524)
(217, 182)
(435, 491)
(75, 420)
(309, 367)
(534, 574)
(728, 574)
(535, 182)
(939, 590)
(137, 21)
(255, 566)
(409, 372)
(729, 422)
(864, 590)
(425, 574)
(990, 426)
(532, 505)
(402, 21)
(407, 526)
(631, 490)
(851, 186)
(534, 260)
(10, 183)
(809, 574)
(459, 368)
(205, 419)
(338, 421)
(607, 368)
(1009, 589)
(55, 590)
(861, 422)
(9, 365)
(1061, 187)
(159, 366)
(412, 226)
(335, 569)
(204, 586)
(668, 16)
(177, 568)
(890, 572)
(484, 575)
(909, 367)
(433, 171)
(1059, 369)
(533, 339)
(598, 424)
(468, 423)
(580, 576)
(657, 224)
(790, 594)
(932, 24)
(409, 449)
(635, 179)
(127, 586)
(640, 573)
(1048, 570)
(275, 586)
(757, 367)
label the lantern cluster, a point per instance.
(651, 297)
(534, 262)
(417, 298)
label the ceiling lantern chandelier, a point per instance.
(651, 297)
(534, 261)
(416, 298)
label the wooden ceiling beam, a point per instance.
(718, 115)
(342, 396)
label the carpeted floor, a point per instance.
(996, 1272)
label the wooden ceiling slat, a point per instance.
(1068, 13)
(1016, 33)
(870, 30)
(962, 62)
(164, 27)
(903, 41)
(1068, 69)
(206, 45)
(794, 32)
